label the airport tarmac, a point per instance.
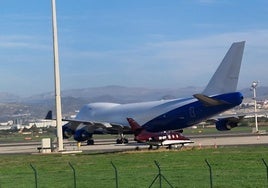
(108, 145)
(231, 140)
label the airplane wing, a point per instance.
(231, 118)
(74, 123)
(100, 127)
(95, 125)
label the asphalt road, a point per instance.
(107, 145)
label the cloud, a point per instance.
(170, 63)
(22, 42)
(155, 64)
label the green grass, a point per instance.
(6, 137)
(231, 167)
(212, 130)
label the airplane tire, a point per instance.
(119, 141)
(122, 141)
(125, 140)
(90, 142)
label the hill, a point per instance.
(36, 106)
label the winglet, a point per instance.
(208, 101)
(225, 78)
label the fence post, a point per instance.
(35, 174)
(116, 174)
(210, 172)
(160, 176)
(264, 162)
(74, 174)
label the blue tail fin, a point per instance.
(49, 115)
(226, 76)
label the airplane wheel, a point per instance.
(90, 142)
(119, 141)
(125, 140)
(122, 141)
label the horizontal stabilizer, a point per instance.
(208, 101)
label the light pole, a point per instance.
(57, 77)
(253, 87)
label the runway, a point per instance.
(107, 145)
(232, 140)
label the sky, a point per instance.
(141, 43)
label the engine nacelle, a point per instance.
(81, 135)
(67, 132)
(225, 125)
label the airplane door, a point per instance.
(192, 112)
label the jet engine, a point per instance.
(81, 135)
(225, 124)
(67, 132)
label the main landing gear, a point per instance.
(121, 139)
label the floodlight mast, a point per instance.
(254, 86)
(57, 78)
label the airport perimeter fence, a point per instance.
(154, 175)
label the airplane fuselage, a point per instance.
(160, 115)
(218, 96)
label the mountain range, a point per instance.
(36, 106)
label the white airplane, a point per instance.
(164, 115)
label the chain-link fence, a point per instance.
(152, 175)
